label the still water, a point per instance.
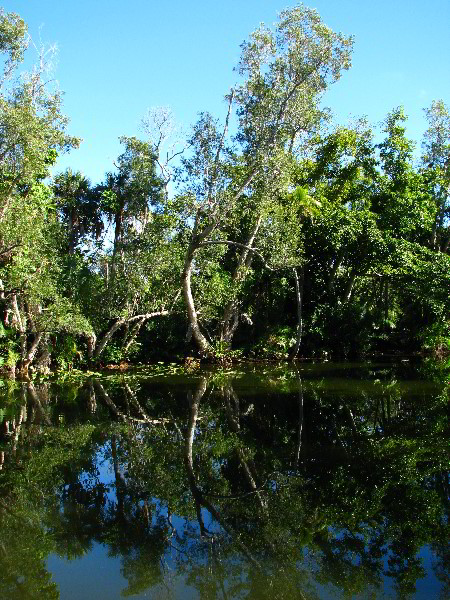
(311, 482)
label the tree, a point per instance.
(410, 204)
(366, 252)
(134, 277)
(32, 125)
(78, 207)
(342, 244)
(402, 201)
(33, 131)
(128, 195)
(285, 72)
(436, 167)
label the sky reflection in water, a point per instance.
(280, 483)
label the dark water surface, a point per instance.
(274, 482)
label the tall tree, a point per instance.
(129, 193)
(141, 263)
(33, 131)
(78, 207)
(32, 124)
(436, 165)
(285, 71)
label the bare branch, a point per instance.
(6, 250)
(146, 316)
(118, 324)
(220, 146)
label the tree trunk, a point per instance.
(92, 400)
(31, 352)
(202, 343)
(196, 242)
(198, 495)
(235, 426)
(188, 458)
(105, 339)
(349, 287)
(95, 350)
(91, 341)
(132, 335)
(20, 323)
(37, 403)
(107, 400)
(298, 295)
(43, 359)
(300, 421)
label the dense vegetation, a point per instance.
(281, 239)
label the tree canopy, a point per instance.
(285, 237)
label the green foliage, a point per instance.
(13, 40)
(366, 230)
(78, 207)
(285, 467)
(33, 132)
(9, 347)
(113, 354)
(66, 352)
(436, 338)
(276, 343)
(344, 330)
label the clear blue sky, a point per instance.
(117, 59)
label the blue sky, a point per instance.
(117, 59)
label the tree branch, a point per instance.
(220, 146)
(118, 324)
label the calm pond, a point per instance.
(269, 482)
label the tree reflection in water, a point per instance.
(244, 490)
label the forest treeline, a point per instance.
(266, 234)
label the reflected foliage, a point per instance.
(274, 483)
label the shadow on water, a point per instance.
(305, 482)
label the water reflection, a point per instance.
(281, 484)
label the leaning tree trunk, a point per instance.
(106, 338)
(298, 295)
(132, 335)
(247, 469)
(31, 353)
(188, 458)
(201, 341)
(95, 349)
(198, 237)
(199, 497)
(20, 322)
